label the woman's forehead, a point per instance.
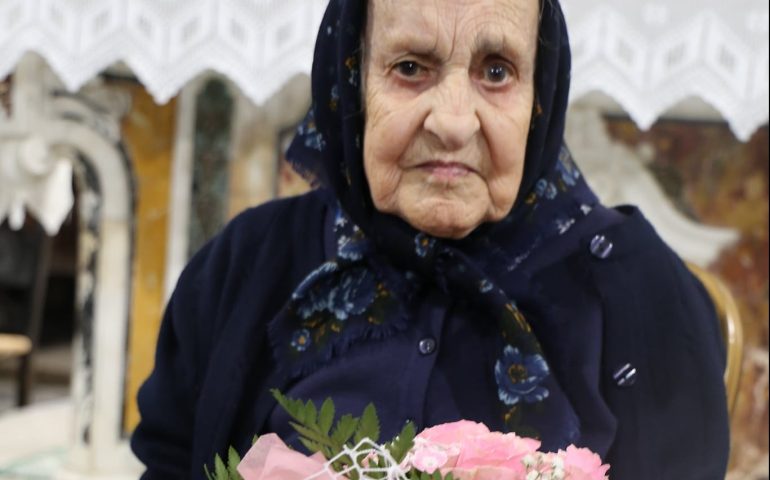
(488, 21)
(432, 10)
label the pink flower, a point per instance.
(438, 447)
(271, 459)
(496, 449)
(428, 457)
(583, 464)
(455, 432)
(471, 452)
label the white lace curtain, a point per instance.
(646, 55)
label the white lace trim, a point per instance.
(647, 56)
(258, 44)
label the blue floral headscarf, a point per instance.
(365, 291)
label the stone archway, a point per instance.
(68, 124)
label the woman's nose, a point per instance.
(453, 118)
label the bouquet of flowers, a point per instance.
(349, 450)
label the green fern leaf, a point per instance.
(312, 446)
(344, 430)
(368, 426)
(233, 459)
(220, 470)
(326, 416)
(311, 413)
(312, 434)
(295, 408)
(404, 442)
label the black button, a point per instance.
(625, 376)
(601, 247)
(427, 346)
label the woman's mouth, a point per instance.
(445, 170)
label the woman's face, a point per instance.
(448, 92)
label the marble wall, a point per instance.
(210, 163)
(148, 138)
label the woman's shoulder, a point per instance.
(612, 236)
(647, 291)
(618, 258)
(605, 236)
(265, 250)
(628, 253)
(293, 222)
(631, 254)
(285, 219)
(630, 237)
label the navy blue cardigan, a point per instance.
(213, 361)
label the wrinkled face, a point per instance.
(448, 88)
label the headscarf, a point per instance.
(365, 292)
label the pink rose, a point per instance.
(455, 432)
(471, 452)
(438, 447)
(496, 449)
(271, 459)
(583, 464)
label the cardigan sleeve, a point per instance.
(659, 320)
(235, 282)
(163, 439)
(194, 317)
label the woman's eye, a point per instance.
(408, 68)
(497, 73)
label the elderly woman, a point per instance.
(452, 264)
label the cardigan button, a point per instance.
(625, 376)
(601, 247)
(427, 346)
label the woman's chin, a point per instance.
(444, 219)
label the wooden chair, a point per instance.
(730, 325)
(14, 346)
(24, 263)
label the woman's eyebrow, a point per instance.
(497, 44)
(396, 40)
(501, 46)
